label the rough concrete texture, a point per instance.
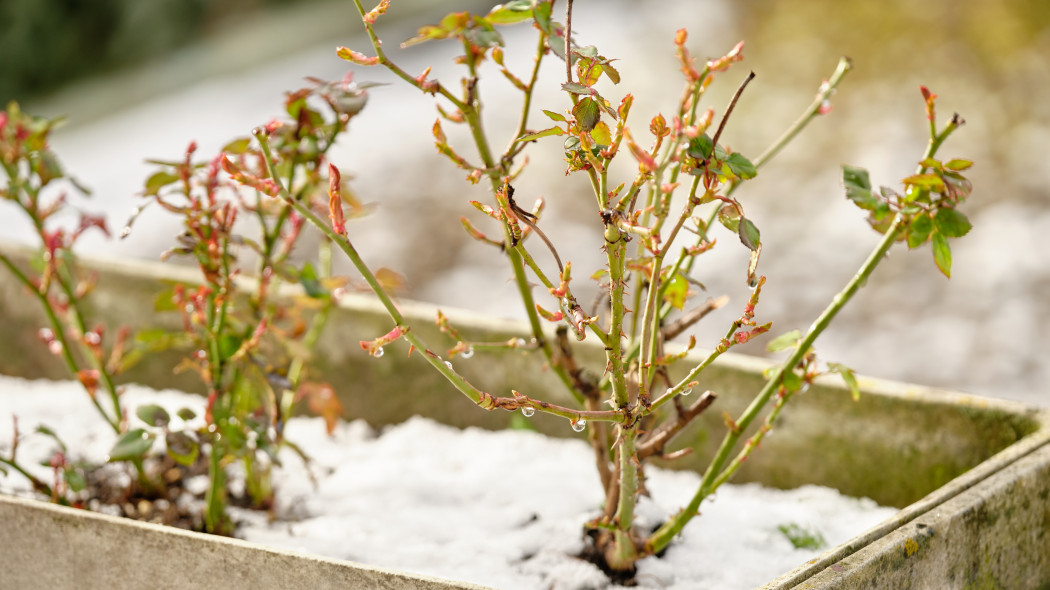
(994, 535)
(53, 547)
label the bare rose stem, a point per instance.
(483, 399)
(715, 475)
(470, 107)
(59, 334)
(811, 111)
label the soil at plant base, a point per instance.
(503, 509)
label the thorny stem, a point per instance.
(485, 400)
(471, 113)
(814, 109)
(717, 472)
(383, 59)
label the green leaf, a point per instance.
(75, 479)
(588, 71)
(182, 448)
(919, 230)
(575, 88)
(958, 165)
(587, 113)
(484, 37)
(542, 15)
(741, 166)
(554, 116)
(238, 146)
(511, 12)
(951, 223)
(133, 444)
(748, 232)
(229, 344)
(164, 301)
(311, 284)
(700, 147)
(848, 377)
(942, 253)
(676, 291)
(791, 381)
(858, 187)
(546, 132)
(784, 341)
(158, 181)
(601, 134)
(853, 176)
(930, 181)
(802, 538)
(729, 216)
(153, 415)
(957, 185)
(610, 72)
(41, 429)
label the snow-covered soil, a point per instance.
(502, 509)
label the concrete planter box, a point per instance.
(971, 475)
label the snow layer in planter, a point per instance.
(502, 509)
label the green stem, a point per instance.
(814, 108)
(60, 335)
(714, 473)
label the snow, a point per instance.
(502, 509)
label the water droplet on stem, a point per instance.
(528, 411)
(579, 425)
(469, 352)
(449, 365)
(378, 352)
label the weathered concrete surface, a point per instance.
(994, 535)
(51, 547)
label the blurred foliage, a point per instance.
(992, 33)
(47, 43)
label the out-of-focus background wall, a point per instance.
(142, 79)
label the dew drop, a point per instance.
(579, 425)
(202, 354)
(687, 391)
(519, 342)
(92, 338)
(469, 352)
(378, 352)
(528, 411)
(449, 365)
(54, 347)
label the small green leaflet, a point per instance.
(784, 341)
(951, 223)
(741, 166)
(848, 377)
(133, 444)
(919, 230)
(544, 133)
(942, 253)
(153, 415)
(511, 12)
(676, 291)
(748, 233)
(858, 187)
